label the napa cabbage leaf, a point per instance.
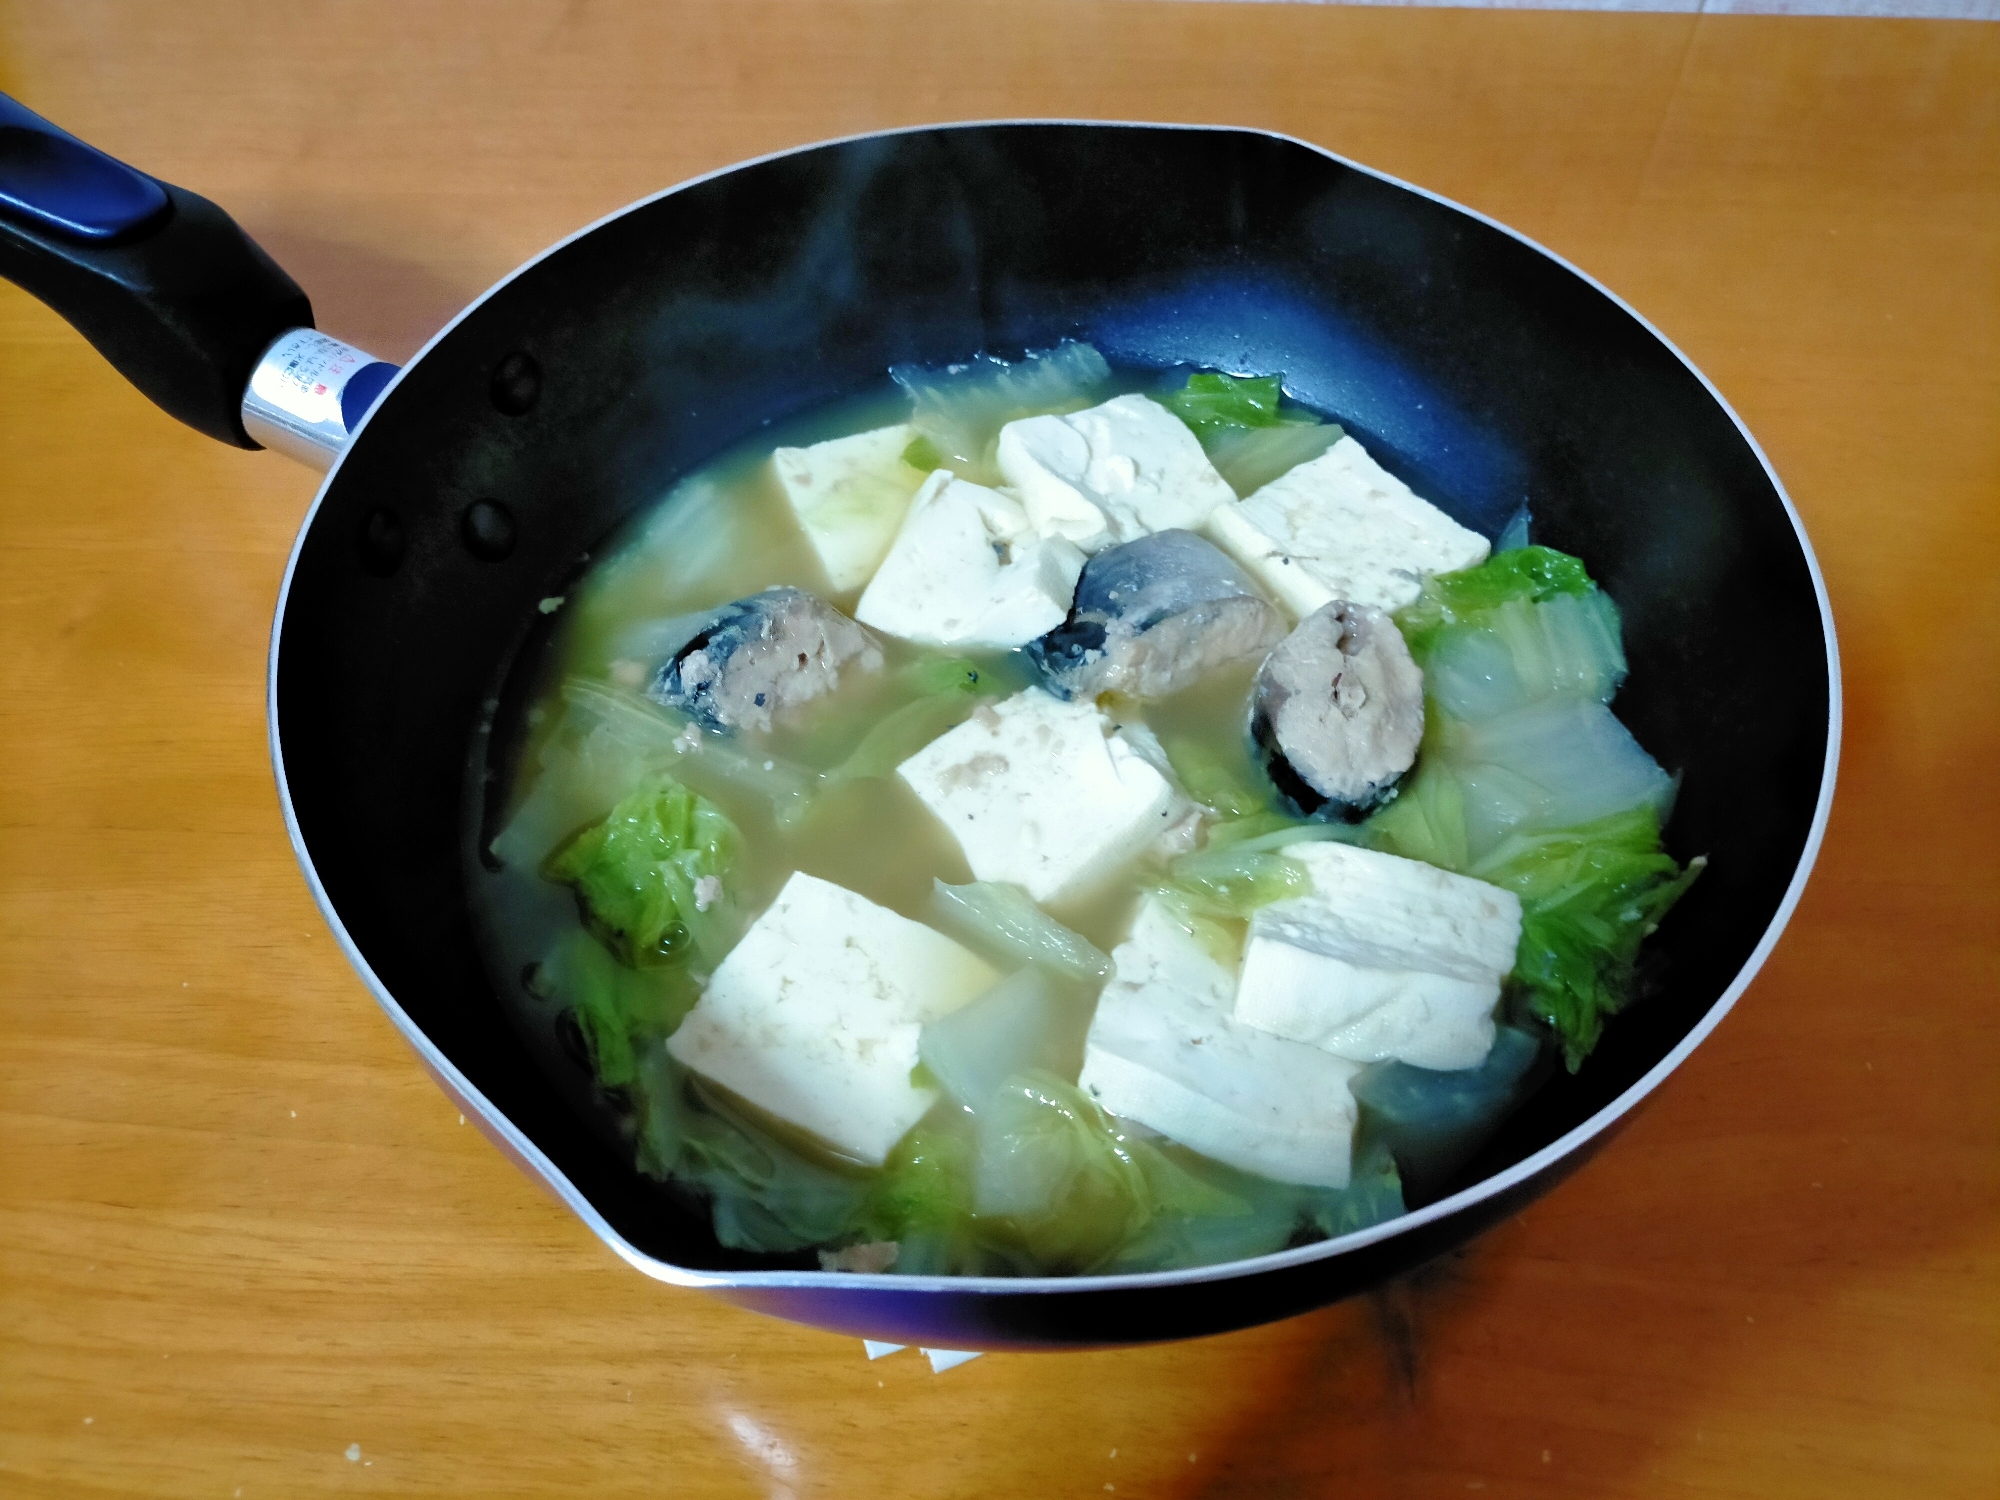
(1534, 574)
(1215, 405)
(957, 411)
(763, 1194)
(945, 691)
(1248, 432)
(651, 876)
(1004, 924)
(617, 1009)
(1527, 779)
(1433, 1120)
(1589, 896)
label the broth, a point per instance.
(817, 795)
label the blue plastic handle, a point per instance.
(163, 282)
(52, 180)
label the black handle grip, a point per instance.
(161, 281)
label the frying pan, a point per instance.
(473, 483)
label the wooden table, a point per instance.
(246, 1248)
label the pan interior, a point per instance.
(1472, 365)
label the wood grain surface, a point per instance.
(241, 1231)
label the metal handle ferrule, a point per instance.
(308, 394)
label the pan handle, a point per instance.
(181, 301)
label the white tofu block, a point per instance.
(1046, 795)
(1387, 958)
(1163, 1050)
(850, 496)
(1342, 527)
(1113, 473)
(967, 569)
(1357, 1001)
(814, 1016)
(1454, 922)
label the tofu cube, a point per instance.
(1342, 527)
(1111, 474)
(1453, 921)
(1387, 958)
(1316, 984)
(814, 1016)
(1164, 1051)
(966, 569)
(1047, 795)
(850, 496)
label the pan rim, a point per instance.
(519, 1145)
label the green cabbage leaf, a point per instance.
(1216, 405)
(957, 410)
(1534, 574)
(946, 689)
(1527, 780)
(638, 872)
(763, 1194)
(1248, 432)
(1589, 897)
(617, 1009)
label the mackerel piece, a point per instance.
(759, 656)
(1152, 616)
(1338, 712)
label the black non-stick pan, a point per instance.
(470, 485)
